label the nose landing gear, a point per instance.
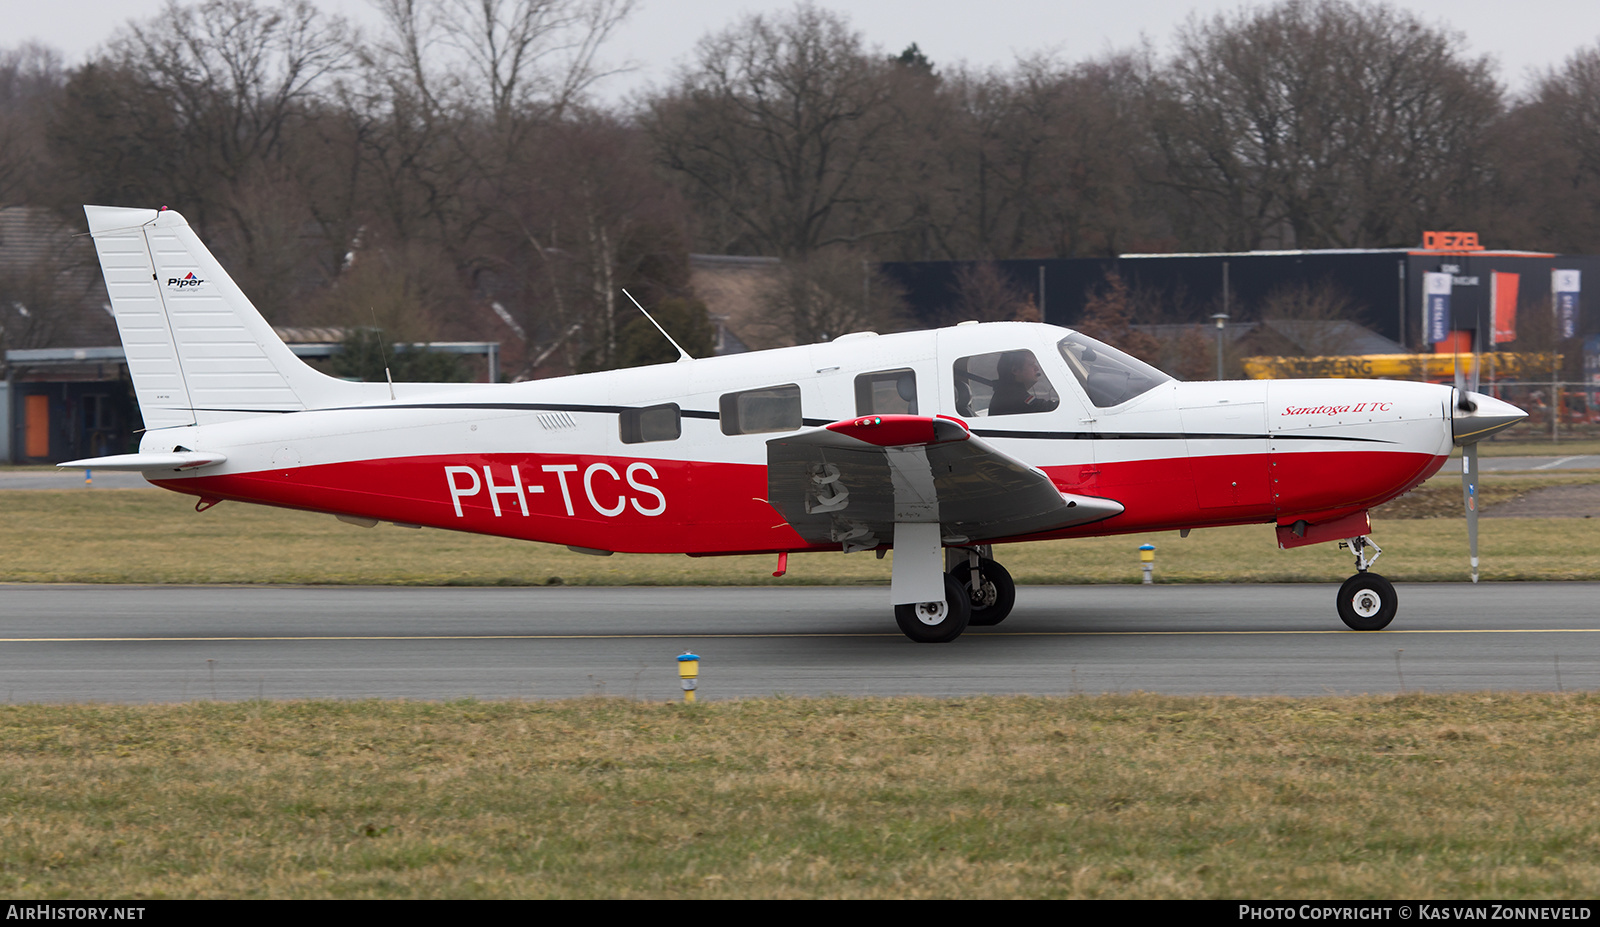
(1366, 601)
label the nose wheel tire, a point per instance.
(1367, 602)
(995, 595)
(936, 622)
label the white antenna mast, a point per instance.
(682, 354)
(382, 354)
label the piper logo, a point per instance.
(185, 282)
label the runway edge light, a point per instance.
(689, 672)
(1147, 561)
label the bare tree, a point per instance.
(1549, 161)
(509, 58)
(774, 130)
(586, 218)
(984, 293)
(1057, 151)
(1109, 313)
(405, 290)
(1314, 320)
(915, 177)
(31, 80)
(1321, 123)
(235, 73)
(830, 293)
(196, 109)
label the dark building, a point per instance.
(1383, 286)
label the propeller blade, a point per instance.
(1469, 496)
(1472, 376)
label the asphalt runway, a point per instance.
(71, 479)
(1568, 462)
(181, 643)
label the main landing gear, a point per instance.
(978, 593)
(936, 622)
(1367, 601)
(986, 583)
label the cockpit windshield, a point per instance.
(1109, 376)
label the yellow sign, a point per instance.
(1503, 365)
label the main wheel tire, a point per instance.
(995, 595)
(936, 622)
(1367, 602)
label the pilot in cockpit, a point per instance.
(1018, 371)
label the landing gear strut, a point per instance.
(977, 591)
(1367, 601)
(987, 584)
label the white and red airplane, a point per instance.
(936, 444)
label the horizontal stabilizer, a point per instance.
(180, 460)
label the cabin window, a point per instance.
(652, 423)
(755, 411)
(887, 392)
(1003, 383)
(1109, 376)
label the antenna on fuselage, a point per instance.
(682, 354)
(382, 354)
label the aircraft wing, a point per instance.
(850, 483)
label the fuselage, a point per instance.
(642, 460)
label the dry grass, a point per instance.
(1440, 497)
(1460, 796)
(153, 536)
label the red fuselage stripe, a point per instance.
(670, 506)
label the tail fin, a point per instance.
(197, 350)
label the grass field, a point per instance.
(154, 536)
(1140, 796)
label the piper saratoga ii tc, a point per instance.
(937, 444)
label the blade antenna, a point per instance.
(682, 354)
(382, 354)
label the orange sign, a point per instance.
(1503, 299)
(1450, 241)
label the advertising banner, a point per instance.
(1503, 296)
(1436, 322)
(1591, 360)
(1564, 285)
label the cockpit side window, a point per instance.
(1002, 383)
(1109, 376)
(887, 392)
